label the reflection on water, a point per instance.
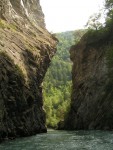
(63, 140)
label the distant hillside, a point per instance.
(57, 83)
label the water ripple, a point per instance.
(63, 140)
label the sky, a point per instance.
(67, 15)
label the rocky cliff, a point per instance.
(26, 49)
(92, 77)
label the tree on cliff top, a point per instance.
(94, 22)
(109, 4)
(109, 15)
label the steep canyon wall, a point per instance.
(92, 77)
(26, 49)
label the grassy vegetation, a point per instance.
(4, 24)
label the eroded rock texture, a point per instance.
(92, 77)
(26, 49)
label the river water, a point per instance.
(63, 140)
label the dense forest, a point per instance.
(57, 83)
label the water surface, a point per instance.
(63, 140)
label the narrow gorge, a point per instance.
(26, 49)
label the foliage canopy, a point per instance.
(57, 83)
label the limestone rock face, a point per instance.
(92, 77)
(26, 49)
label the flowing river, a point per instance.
(63, 140)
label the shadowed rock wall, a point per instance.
(92, 77)
(26, 49)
